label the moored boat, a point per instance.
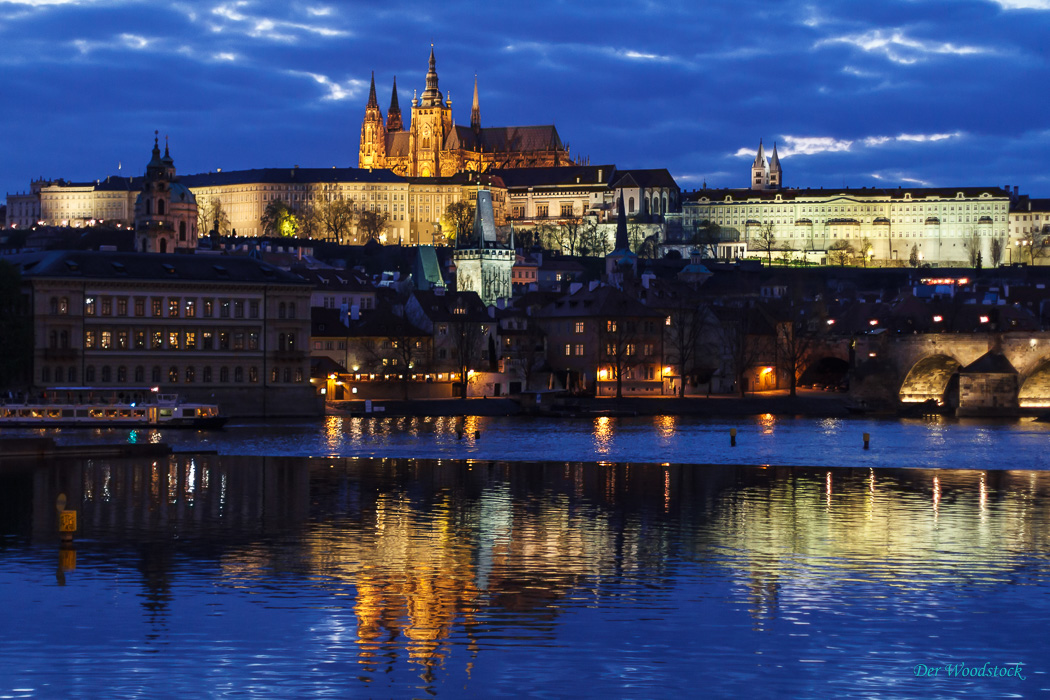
(91, 407)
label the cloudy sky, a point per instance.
(887, 93)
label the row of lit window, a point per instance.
(175, 340)
(172, 307)
(187, 375)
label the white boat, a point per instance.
(91, 407)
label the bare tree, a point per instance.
(572, 231)
(683, 335)
(706, 238)
(335, 218)
(795, 341)
(841, 252)
(593, 239)
(996, 249)
(766, 241)
(371, 224)
(457, 220)
(866, 249)
(468, 343)
(211, 217)
(741, 342)
(972, 246)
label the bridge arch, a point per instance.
(1035, 391)
(929, 378)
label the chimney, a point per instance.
(600, 174)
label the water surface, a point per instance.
(375, 577)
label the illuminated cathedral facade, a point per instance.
(434, 146)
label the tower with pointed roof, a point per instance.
(483, 264)
(165, 210)
(621, 261)
(475, 109)
(393, 115)
(766, 175)
(373, 133)
(433, 146)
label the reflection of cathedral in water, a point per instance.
(429, 558)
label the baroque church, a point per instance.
(165, 210)
(434, 146)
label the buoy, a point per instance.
(732, 437)
(867, 438)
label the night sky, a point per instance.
(912, 93)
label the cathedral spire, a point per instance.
(393, 115)
(431, 97)
(475, 110)
(774, 162)
(372, 101)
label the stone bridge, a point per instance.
(995, 373)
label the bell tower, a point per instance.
(431, 124)
(373, 133)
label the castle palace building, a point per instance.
(434, 146)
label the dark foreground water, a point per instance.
(766, 439)
(367, 577)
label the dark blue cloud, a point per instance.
(894, 92)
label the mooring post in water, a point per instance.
(867, 439)
(67, 519)
(477, 434)
(732, 437)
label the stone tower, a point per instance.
(483, 264)
(766, 175)
(165, 210)
(431, 124)
(373, 133)
(393, 115)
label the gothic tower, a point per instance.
(475, 110)
(373, 133)
(393, 115)
(431, 124)
(483, 264)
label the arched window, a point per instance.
(140, 374)
(122, 374)
(164, 245)
(190, 374)
(253, 375)
(238, 374)
(206, 375)
(173, 375)
(53, 306)
(281, 310)
(224, 375)
(630, 202)
(71, 375)
(281, 341)
(275, 375)
(182, 230)
(291, 309)
(52, 339)
(45, 375)
(63, 339)
(155, 375)
(89, 375)
(160, 207)
(291, 341)
(287, 375)
(107, 375)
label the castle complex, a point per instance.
(434, 146)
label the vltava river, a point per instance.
(767, 439)
(255, 576)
